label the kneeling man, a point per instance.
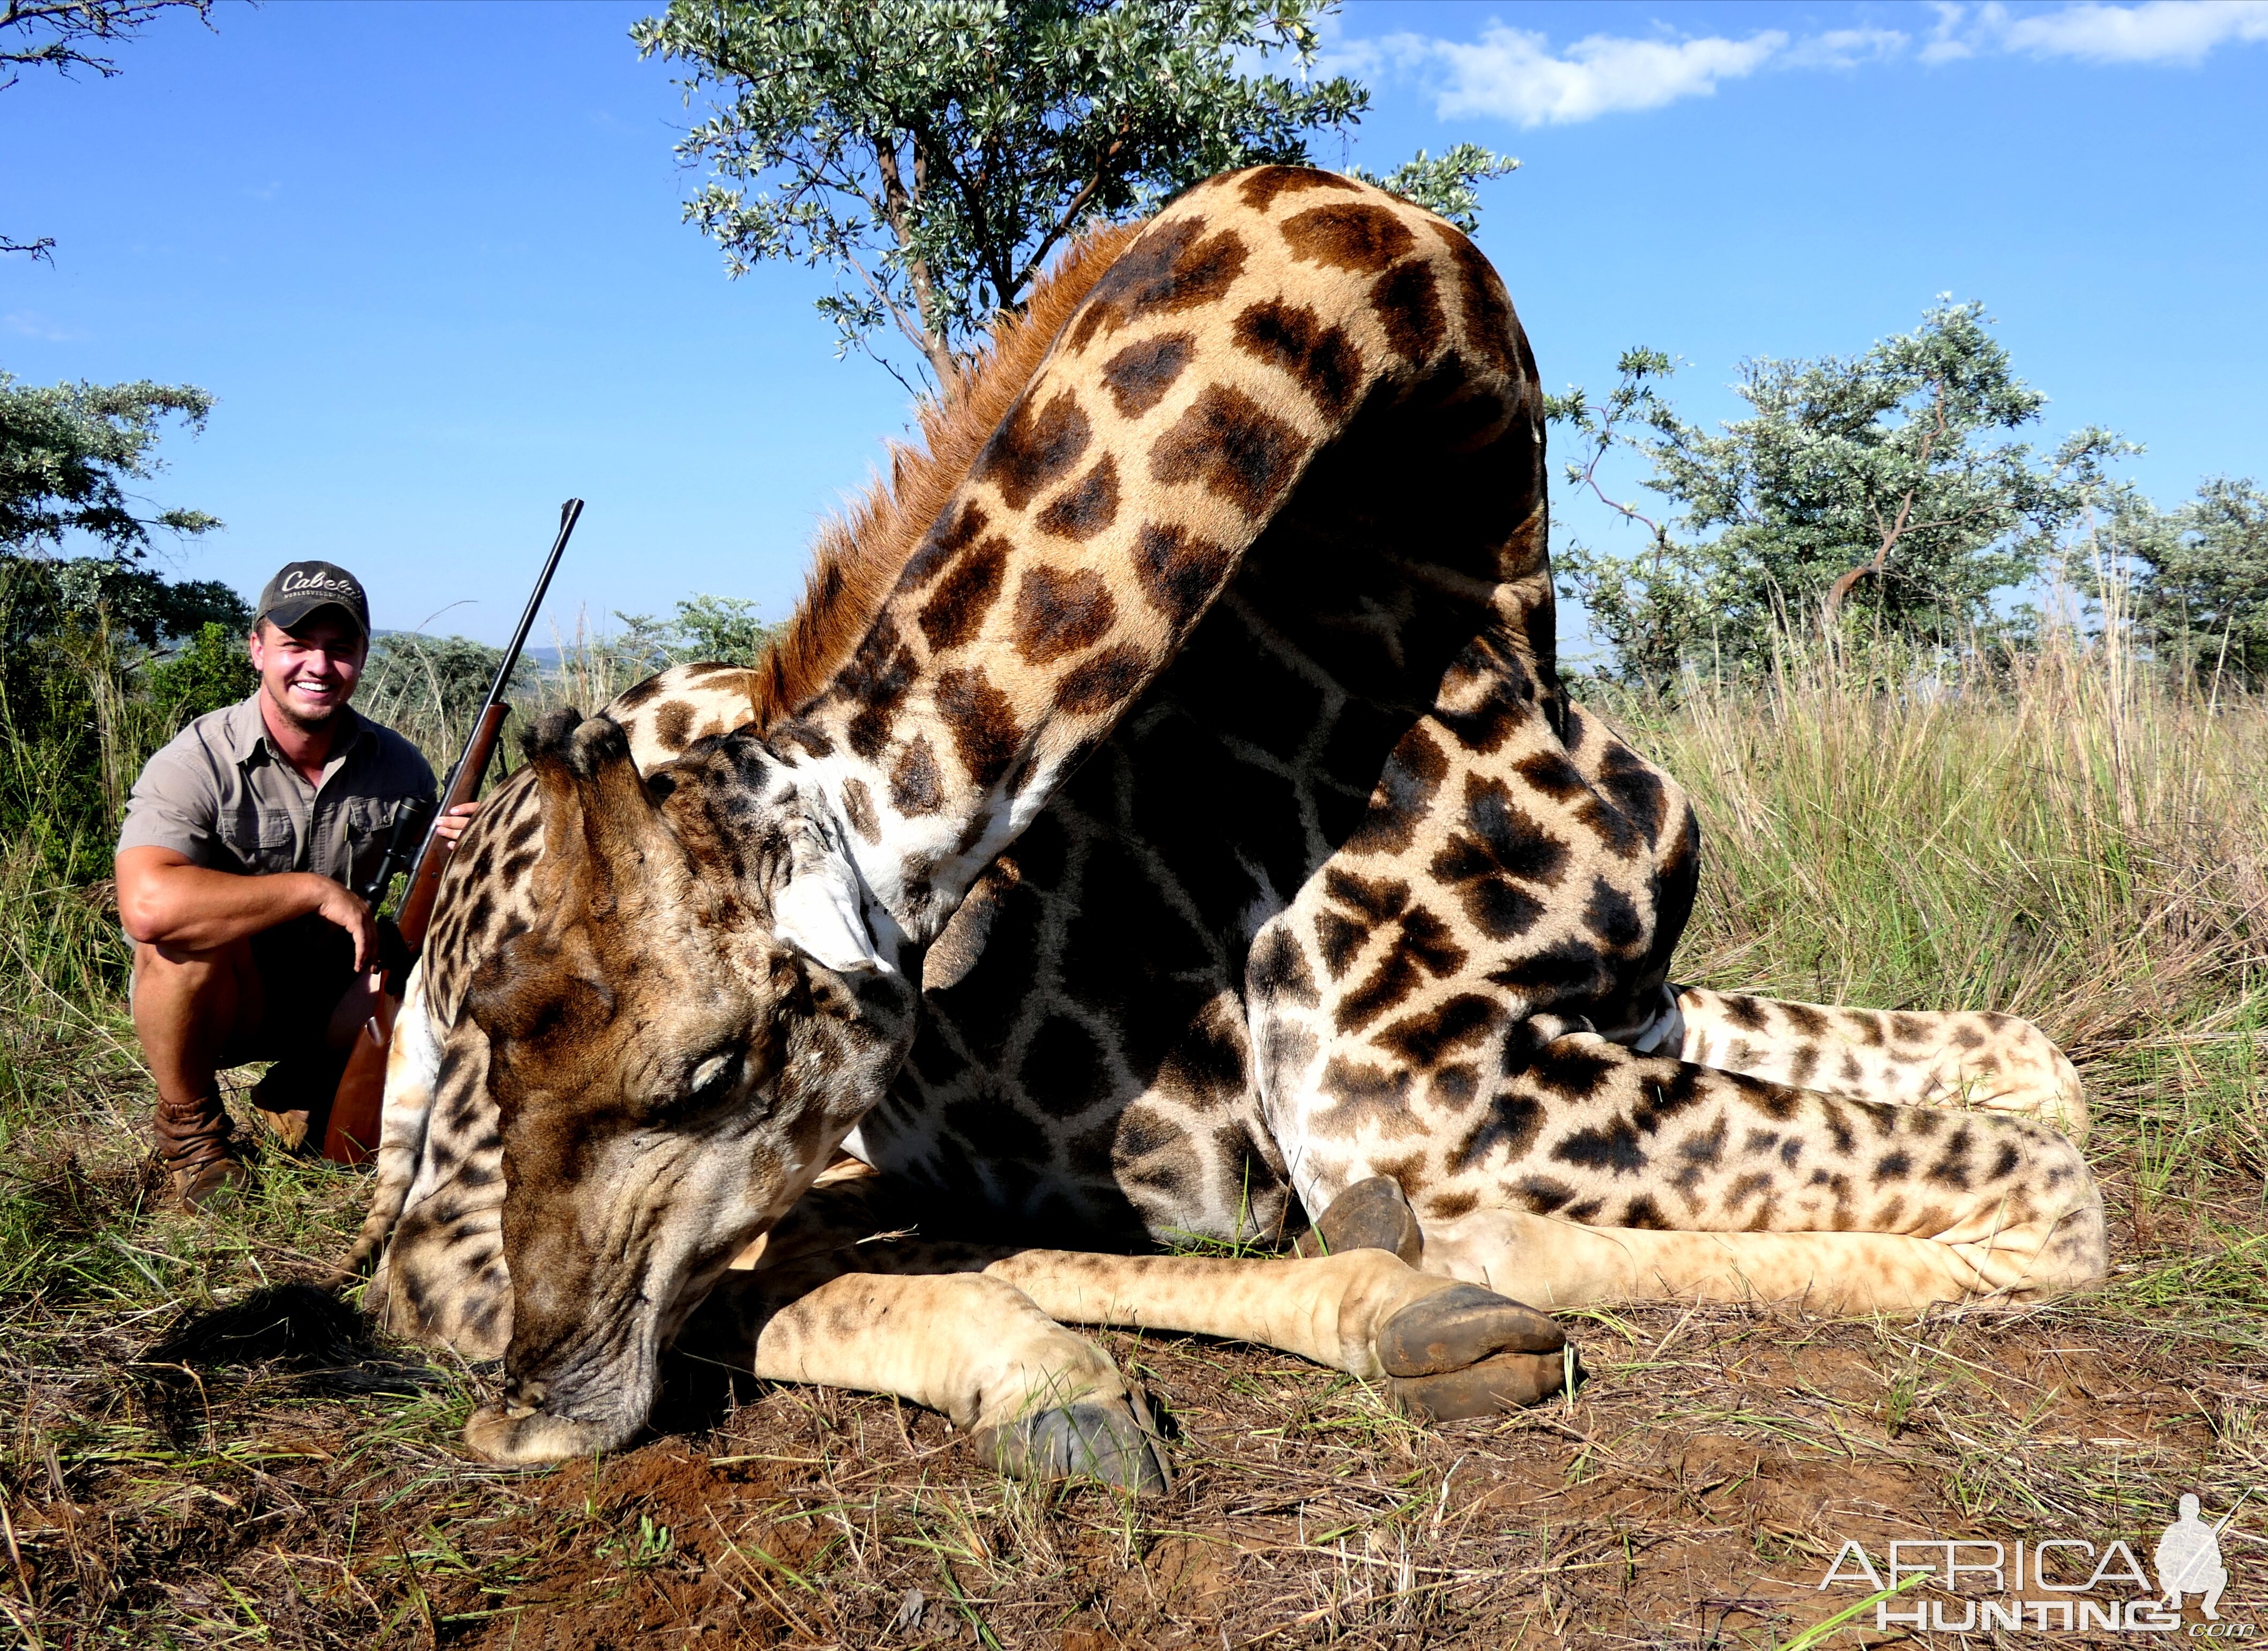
(243, 843)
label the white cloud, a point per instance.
(2154, 32)
(1513, 73)
(30, 324)
(1516, 74)
(1842, 48)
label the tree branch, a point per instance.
(898, 204)
(1898, 530)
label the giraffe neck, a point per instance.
(1173, 418)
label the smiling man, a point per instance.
(243, 843)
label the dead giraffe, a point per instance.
(1188, 726)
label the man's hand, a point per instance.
(451, 826)
(340, 905)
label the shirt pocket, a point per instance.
(275, 840)
(369, 822)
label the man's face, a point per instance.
(309, 673)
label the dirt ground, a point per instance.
(1693, 1494)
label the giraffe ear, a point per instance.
(819, 914)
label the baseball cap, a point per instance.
(300, 588)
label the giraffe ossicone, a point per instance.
(1163, 816)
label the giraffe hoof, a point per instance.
(1511, 1381)
(1371, 1214)
(1469, 1352)
(1090, 1440)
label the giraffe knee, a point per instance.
(2054, 1240)
(2018, 1070)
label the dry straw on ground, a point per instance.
(2059, 836)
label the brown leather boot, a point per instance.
(193, 1142)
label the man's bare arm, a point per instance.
(165, 900)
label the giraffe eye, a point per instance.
(712, 1085)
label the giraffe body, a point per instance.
(1165, 815)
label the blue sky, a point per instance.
(429, 258)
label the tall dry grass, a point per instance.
(586, 669)
(2060, 835)
(2057, 834)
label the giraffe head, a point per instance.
(695, 1019)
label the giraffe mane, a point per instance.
(857, 556)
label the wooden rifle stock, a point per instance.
(350, 1130)
(416, 910)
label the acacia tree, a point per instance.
(68, 454)
(1888, 482)
(2198, 578)
(67, 36)
(935, 152)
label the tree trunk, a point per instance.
(899, 202)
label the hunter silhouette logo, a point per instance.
(2084, 1584)
(2188, 1561)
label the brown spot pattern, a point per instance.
(1260, 190)
(1059, 613)
(1088, 506)
(1349, 235)
(1174, 267)
(859, 808)
(983, 723)
(1234, 448)
(1295, 338)
(1179, 572)
(915, 787)
(1138, 376)
(1035, 448)
(1409, 309)
(957, 607)
(1106, 680)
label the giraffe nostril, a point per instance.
(525, 1399)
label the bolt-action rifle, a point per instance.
(350, 1132)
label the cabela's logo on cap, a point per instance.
(295, 583)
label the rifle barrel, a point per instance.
(569, 513)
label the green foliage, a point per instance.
(66, 452)
(74, 724)
(209, 670)
(702, 628)
(1449, 187)
(934, 153)
(1886, 486)
(447, 677)
(2199, 579)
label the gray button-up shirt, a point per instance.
(223, 797)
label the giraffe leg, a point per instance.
(977, 1330)
(1038, 1401)
(1562, 1264)
(833, 1297)
(1993, 1061)
(1441, 1348)
(413, 1062)
(1373, 1214)
(1593, 1172)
